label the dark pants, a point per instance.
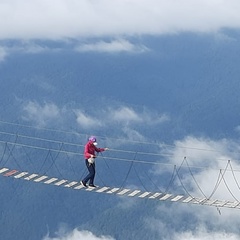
(91, 175)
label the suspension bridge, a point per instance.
(15, 146)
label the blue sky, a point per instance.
(114, 27)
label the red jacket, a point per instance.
(90, 149)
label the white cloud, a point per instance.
(128, 115)
(40, 114)
(30, 47)
(55, 19)
(3, 54)
(86, 121)
(133, 135)
(203, 234)
(119, 45)
(77, 235)
(125, 114)
(194, 222)
(127, 120)
(208, 160)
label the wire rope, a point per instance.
(112, 158)
(14, 145)
(234, 176)
(71, 166)
(194, 179)
(139, 178)
(111, 172)
(11, 154)
(53, 161)
(4, 151)
(84, 134)
(129, 170)
(220, 176)
(229, 190)
(153, 183)
(29, 159)
(45, 160)
(112, 149)
(185, 189)
(174, 175)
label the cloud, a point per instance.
(193, 222)
(203, 234)
(3, 54)
(124, 119)
(59, 19)
(125, 114)
(77, 235)
(29, 47)
(40, 114)
(133, 135)
(119, 45)
(128, 115)
(207, 160)
(86, 121)
(213, 164)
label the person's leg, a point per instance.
(91, 179)
(91, 174)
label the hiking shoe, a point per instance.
(83, 183)
(92, 185)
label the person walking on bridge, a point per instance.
(90, 150)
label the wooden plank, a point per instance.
(134, 193)
(21, 175)
(165, 197)
(3, 170)
(143, 195)
(60, 182)
(155, 195)
(12, 172)
(71, 184)
(51, 180)
(188, 199)
(113, 190)
(177, 198)
(40, 178)
(102, 189)
(30, 177)
(123, 191)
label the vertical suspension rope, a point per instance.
(54, 159)
(172, 179)
(129, 170)
(194, 178)
(4, 151)
(234, 175)
(10, 151)
(229, 188)
(220, 178)
(174, 175)
(115, 180)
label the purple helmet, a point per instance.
(92, 139)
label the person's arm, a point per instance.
(100, 149)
